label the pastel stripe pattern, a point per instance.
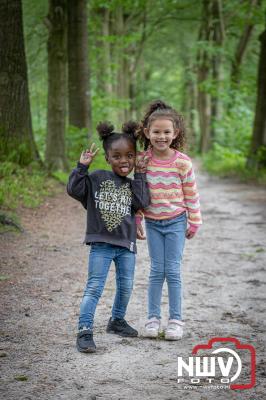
(173, 189)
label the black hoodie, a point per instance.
(111, 202)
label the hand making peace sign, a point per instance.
(88, 155)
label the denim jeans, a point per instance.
(166, 239)
(100, 258)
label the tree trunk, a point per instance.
(78, 66)
(242, 46)
(136, 66)
(203, 60)
(16, 135)
(204, 108)
(133, 95)
(190, 101)
(122, 89)
(210, 67)
(104, 60)
(106, 52)
(218, 39)
(259, 129)
(57, 83)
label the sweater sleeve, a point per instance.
(191, 198)
(140, 190)
(78, 184)
(139, 217)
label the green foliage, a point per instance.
(23, 186)
(163, 37)
(234, 129)
(261, 156)
(223, 161)
(14, 151)
(61, 176)
(77, 141)
(226, 162)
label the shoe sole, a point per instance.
(88, 350)
(173, 337)
(121, 334)
(151, 335)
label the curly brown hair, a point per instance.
(158, 109)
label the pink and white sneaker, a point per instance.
(152, 327)
(174, 330)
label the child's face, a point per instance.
(161, 133)
(121, 156)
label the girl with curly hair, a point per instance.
(173, 214)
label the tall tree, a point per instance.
(259, 129)
(56, 22)
(204, 65)
(78, 66)
(129, 28)
(243, 43)
(122, 81)
(209, 59)
(218, 36)
(104, 57)
(15, 117)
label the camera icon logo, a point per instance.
(243, 356)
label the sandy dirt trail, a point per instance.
(224, 296)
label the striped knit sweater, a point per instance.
(173, 190)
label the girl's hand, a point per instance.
(140, 232)
(141, 164)
(190, 234)
(88, 155)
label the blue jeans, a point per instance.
(166, 240)
(100, 258)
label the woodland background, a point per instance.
(65, 65)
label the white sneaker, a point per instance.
(174, 330)
(152, 327)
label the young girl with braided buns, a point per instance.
(172, 216)
(111, 200)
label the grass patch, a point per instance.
(61, 176)
(3, 278)
(9, 222)
(21, 378)
(27, 186)
(161, 335)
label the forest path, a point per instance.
(224, 295)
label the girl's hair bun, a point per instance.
(130, 128)
(105, 129)
(157, 105)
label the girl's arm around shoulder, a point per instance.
(140, 190)
(78, 184)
